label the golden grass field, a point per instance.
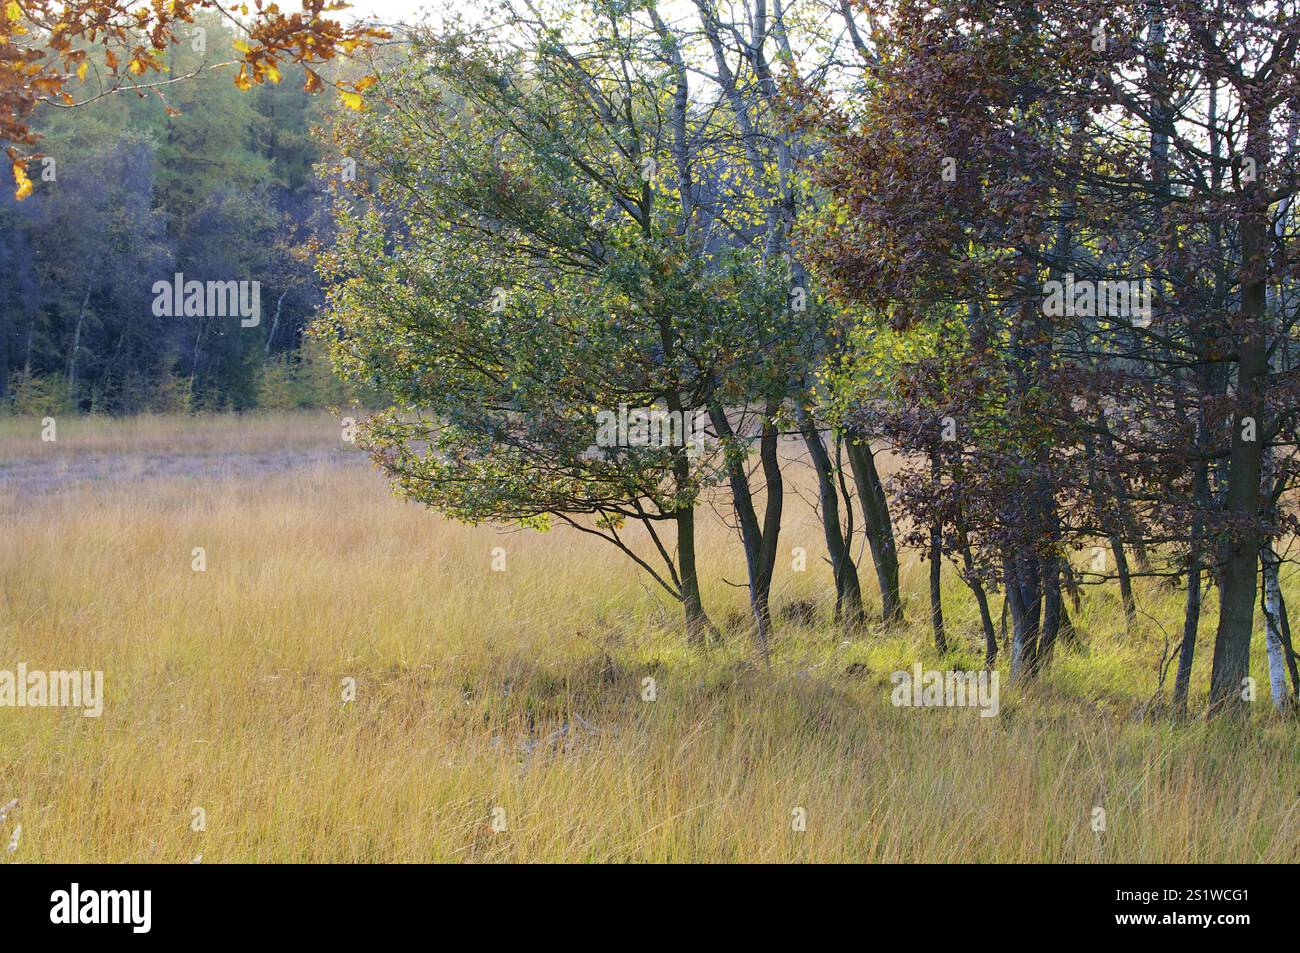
(522, 689)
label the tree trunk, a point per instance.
(76, 345)
(759, 542)
(775, 500)
(1192, 609)
(699, 629)
(275, 323)
(1111, 526)
(879, 529)
(971, 577)
(1191, 621)
(1054, 615)
(1288, 652)
(982, 600)
(936, 590)
(1231, 664)
(1006, 602)
(1024, 599)
(848, 590)
(1125, 579)
(936, 567)
(1274, 609)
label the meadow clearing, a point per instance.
(501, 715)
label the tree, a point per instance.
(1102, 147)
(532, 258)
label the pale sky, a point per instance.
(409, 11)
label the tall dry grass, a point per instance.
(523, 690)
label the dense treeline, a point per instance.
(1111, 253)
(206, 181)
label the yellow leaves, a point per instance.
(20, 178)
(350, 44)
(136, 66)
(263, 66)
(351, 100)
(13, 12)
(313, 84)
(81, 70)
(243, 9)
(365, 83)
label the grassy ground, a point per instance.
(517, 696)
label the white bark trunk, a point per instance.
(1277, 670)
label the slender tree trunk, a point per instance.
(699, 629)
(936, 568)
(971, 577)
(1126, 524)
(1111, 526)
(1066, 628)
(775, 497)
(76, 345)
(982, 600)
(936, 588)
(986, 622)
(1054, 615)
(848, 590)
(1191, 622)
(1125, 579)
(1006, 604)
(1288, 652)
(759, 542)
(879, 529)
(275, 322)
(1192, 609)
(1274, 609)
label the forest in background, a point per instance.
(210, 182)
